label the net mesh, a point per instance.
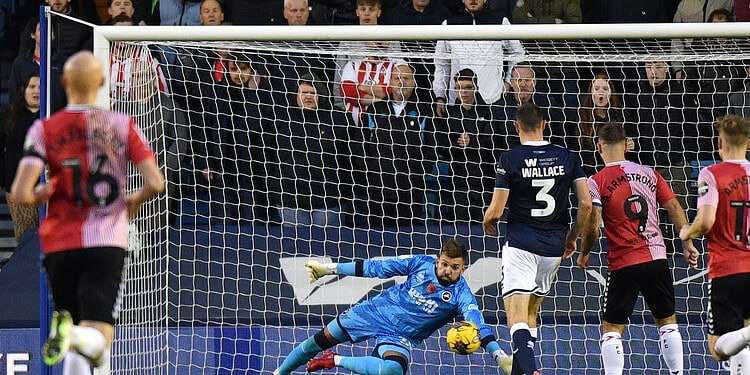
(275, 153)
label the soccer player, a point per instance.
(85, 234)
(534, 179)
(626, 196)
(399, 318)
(724, 216)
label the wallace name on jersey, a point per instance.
(542, 168)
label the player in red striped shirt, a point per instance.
(85, 234)
(724, 216)
(626, 197)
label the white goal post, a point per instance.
(195, 299)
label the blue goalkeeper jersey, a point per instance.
(421, 305)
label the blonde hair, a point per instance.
(734, 129)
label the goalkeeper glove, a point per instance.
(316, 270)
(504, 361)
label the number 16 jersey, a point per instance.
(726, 187)
(628, 194)
(87, 151)
(539, 177)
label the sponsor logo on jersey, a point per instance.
(429, 306)
(530, 162)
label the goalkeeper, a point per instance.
(399, 318)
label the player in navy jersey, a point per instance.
(399, 318)
(534, 179)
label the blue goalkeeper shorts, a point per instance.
(363, 322)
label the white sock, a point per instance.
(533, 332)
(518, 326)
(87, 341)
(76, 364)
(613, 356)
(336, 360)
(731, 343)
(103, 368)
(739, 364)
(670, 342)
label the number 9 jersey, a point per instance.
(87, 151)
(539, 177)
(726, 187)
(628, 194)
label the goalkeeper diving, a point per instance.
(400, 317)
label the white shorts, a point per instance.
(527, 273)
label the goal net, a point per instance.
(278, 152)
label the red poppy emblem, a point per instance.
(431, 288)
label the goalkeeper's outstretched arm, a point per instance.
(383, 269)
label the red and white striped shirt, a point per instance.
(87, 151)
(628, 194)
(726, 187)
(367, 72)
(135, 69)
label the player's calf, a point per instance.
(670, 343)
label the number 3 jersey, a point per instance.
(539, 177)
(726, 187)
(87, 151)
(628, 194)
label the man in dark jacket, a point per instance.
(310, 152)
(417, 12)
(466, 140)
(399, 152)
(69, 37)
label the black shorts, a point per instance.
(729, 305)
(652, 279)
(87, 282)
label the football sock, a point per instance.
(87, 341)
(523, 349)
(739, 364)
(731, 343)
(76, 364)
(298, 356)
(670, 342)
(368, 365)
(103, 368)
(613, 357)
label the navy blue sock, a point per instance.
(523, 350)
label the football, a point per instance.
(463, 338)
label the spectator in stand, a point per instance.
(739, 102)
(600, 104)
(466, 140)
(245, 104)
(656, 106)
(368, 13)
(631, 11)
(693, 11)
(524, 89)
(212, 12)
(399, 151)
(70, 37)
(26, 63)
(483, 57)
(133, 70)
(179, 12)
(121, 7)
(312, 158)
(296, 12)
(23, 111)
(715, 80)
(547, 11)
(742, 10)
(365, 82)
(417, 12)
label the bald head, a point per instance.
(82, 76)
